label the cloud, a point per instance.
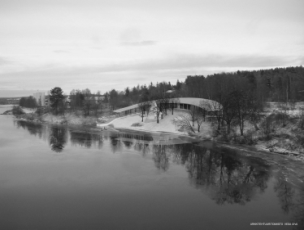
(171, 63)
(16, 93)
(61, 51)
(121, 75)
(4, 61)
(188, 61)
(132, 37)
(140, 43)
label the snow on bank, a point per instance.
(28, 110)
(291, 109)
(150, 124)
(69, 119)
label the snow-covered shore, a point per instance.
(134, 122)
(284, 139)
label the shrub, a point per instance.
(17, 111)
(267, 126)
(300, 140)
(42, 110)
(281, 118)
(30, 117)
(249, 138)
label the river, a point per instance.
(54, 177)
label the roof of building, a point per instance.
(126, 108)
(207, 104)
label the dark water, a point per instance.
(58, 178)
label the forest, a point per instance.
(238, 91)
(239, 99)
(272, 85)
(242, 94)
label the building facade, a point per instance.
(183, 103)
(40, 98)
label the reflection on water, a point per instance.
(224, 175)
(285, 192)
(57, 140)
(161, 156)
(298, 208)
(291, 199)
(230, 178)
(33, 128)
(85, 139)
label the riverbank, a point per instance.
(278, 134)
(113, 123)
(284, 137)
(65, 119)
(134, 122)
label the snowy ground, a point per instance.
(150, 124)
(27, 110)
(293, 110)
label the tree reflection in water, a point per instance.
(116, 144)
(128, 144)
(290, 198)
(229, 178)
(298, 209)
(140, 142)
(144, 148)
(86, 139)
(285, 192)
(161, 157)
(35, 129)
(57, 138)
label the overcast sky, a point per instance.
(100, 44)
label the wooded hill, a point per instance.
(278, 85)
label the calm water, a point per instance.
(57, 178)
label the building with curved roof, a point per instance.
(183, 103)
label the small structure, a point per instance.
(183, 103)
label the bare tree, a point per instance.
(193, 114)
(144, 107)
(254, 110)
(239, 103)
(247, 107)
(158, 108)
(208, 106)
(199, 121)
(164, 105)
(229, 112)
(184, 121)
(189, 119)
(193, 118)
(148, 107)
(172, 103)
(301, 119)
(218, 113)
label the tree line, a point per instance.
(78, 101)
(279, 85)
(28, 102)
(241, 95)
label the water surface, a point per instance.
(59, 178)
